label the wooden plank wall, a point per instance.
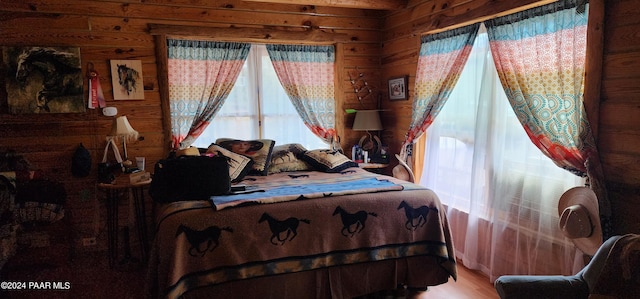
(619, 125)
(118, 29)
(617, 122)
(106, 30)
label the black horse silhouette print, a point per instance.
(352, 223)
(284, 230)
(196, 238)
(419, 214)
(288, 155)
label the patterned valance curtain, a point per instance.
(307, 74)
(442, 57)
(540, 57)
(201, 75)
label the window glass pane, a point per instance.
(281, 121)
(476, 146)
(258, 95)
(238, 117)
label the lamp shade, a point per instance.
(121, 127)
(367, 120)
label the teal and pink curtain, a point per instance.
(201, 75)
(540, 57)
(442, 57)
(307, 74)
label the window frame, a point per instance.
(250, 100)
(593, 63)
(162, 32)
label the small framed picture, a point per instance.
(398, 88)
(126, 77)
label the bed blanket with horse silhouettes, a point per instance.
(197, 246)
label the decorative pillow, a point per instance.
(239, 165)
(327, 160)
(286, 158)
(258, 150)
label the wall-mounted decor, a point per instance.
(398, 88)
(126, 77)
(43, 79)
(360, 86)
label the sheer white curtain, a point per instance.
(500, 191)
(258, 107)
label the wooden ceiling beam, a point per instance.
(362, 4)
(473, 12)
(259, 35)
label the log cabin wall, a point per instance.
(106, 30)
(619, 125)
(381, 44)
(615, 111)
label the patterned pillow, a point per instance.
(258, 150)
(327, 160)
(239, 165)
(286, 158)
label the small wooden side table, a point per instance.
(373, 167)
(114, 191)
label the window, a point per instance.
(504, 218)
(500, 191)
(477, 151)
(258, 107)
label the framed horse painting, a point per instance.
(43, 79)
(126, 77)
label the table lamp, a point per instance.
(368, 120)
(120, 128)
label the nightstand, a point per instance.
(134, 191)
(373, 167)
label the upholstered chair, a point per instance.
(613, 272)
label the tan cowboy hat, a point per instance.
(580, 219)
(403, 171)
(190, 151)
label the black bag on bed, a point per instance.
(190, 178)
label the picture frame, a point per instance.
(43, 79)
(398, 88)
(126, 78)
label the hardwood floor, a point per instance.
(89, 276)
(470, 285)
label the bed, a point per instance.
(302, 234)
